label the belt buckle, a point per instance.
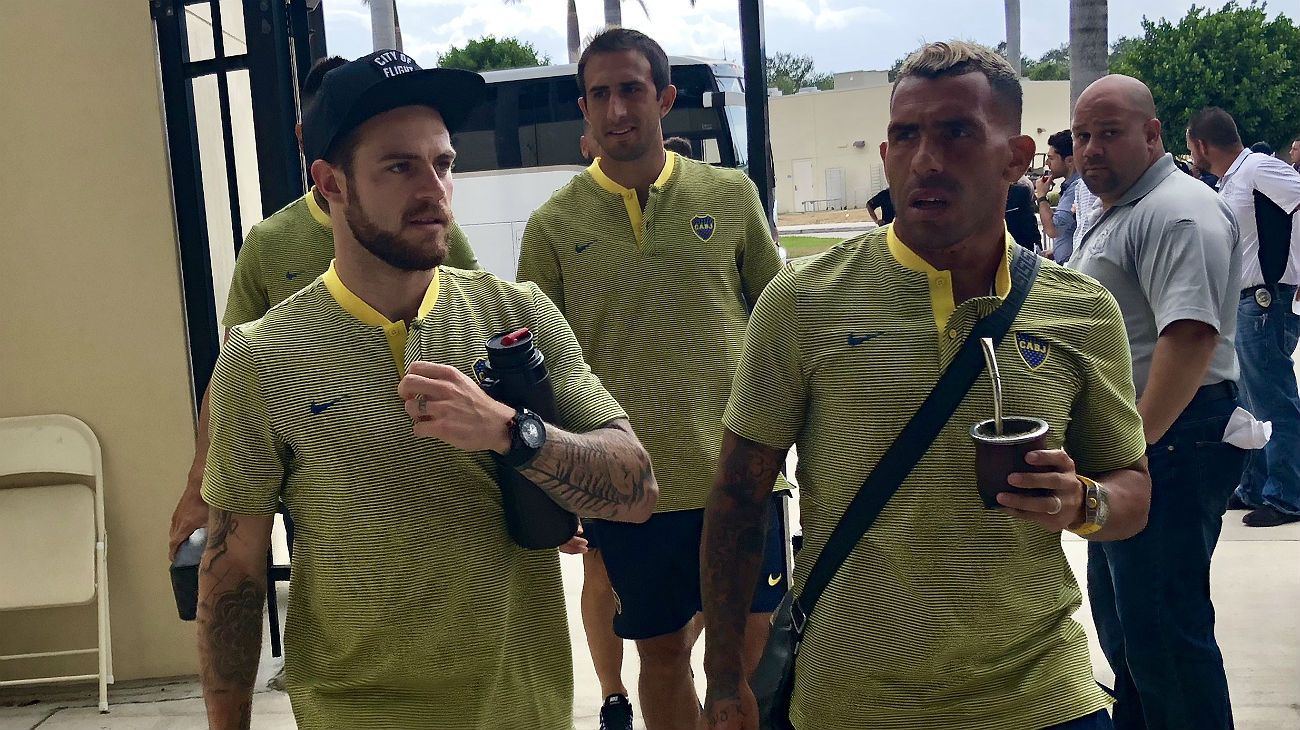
(1263, 297)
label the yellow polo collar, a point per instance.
(394, 332)
(628, 194)
(941, 299)
(317, 213)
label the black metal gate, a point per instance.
(199, 49)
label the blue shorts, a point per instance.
(654, 568)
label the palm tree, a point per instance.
(614, 12)
(1088, 47)
(1013, 34)
(385, 30)
(575, 40)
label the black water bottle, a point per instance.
(185, 574)
(515, 374)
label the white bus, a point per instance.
(521, 144)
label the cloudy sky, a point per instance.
(840, 35)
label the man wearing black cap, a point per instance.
(280, 256)
(410, 606)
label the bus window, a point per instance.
(557, 137)
(691, 82)
(531, 120)
(738, 125)
(711, 153)
(475, 143)
(534, 107)
(730, 83)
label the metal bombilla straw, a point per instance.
(986, 343)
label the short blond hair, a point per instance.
(956, 58)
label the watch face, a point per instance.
(530, 431)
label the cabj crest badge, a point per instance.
(1032, 350)
(480, 369)
(703, 225)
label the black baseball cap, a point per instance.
(379, 82)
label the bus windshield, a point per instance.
(521, 145)
(530, 118)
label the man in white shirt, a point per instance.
(1264, 194)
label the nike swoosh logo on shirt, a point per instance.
(319, 408)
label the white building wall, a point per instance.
(827, 126)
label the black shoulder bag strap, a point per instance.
(915, 438)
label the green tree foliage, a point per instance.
(1235, 58)
(490, 54)
(789, 73)
(1051, 66)
(1121, 48)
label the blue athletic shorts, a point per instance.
(654, 568)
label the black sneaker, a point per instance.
(616, 713)
(1236, 502)
(1268, 517)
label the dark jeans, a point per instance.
(1150, 593)
(1098, 720)
(1266, 340)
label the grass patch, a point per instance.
(796, 246)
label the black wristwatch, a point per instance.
(527, 436)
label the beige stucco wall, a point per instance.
(823, 126)
(92, 322)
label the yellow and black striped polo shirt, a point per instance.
(946, 616)
(288, 250)
(659, 298)
(410, 607)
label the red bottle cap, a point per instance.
(515, 336)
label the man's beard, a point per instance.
(390, 246)
(634, 151)
(1102, 182)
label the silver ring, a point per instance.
(420, 404)
(1059, 505)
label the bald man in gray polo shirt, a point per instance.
(1166, 246)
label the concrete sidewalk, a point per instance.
(1256, 584)
(832, 230)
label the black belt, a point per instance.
(1265, 293)
(1222, 390)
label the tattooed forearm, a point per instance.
(232, 580)
(221, 525)
(603, 473)
(735, 522)
(233, 627)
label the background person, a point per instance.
(881, 201)
(680, 145)
(1059, 222)
(1268, 330)
(1166, 248)
(655, 260)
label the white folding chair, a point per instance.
(53, 544)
